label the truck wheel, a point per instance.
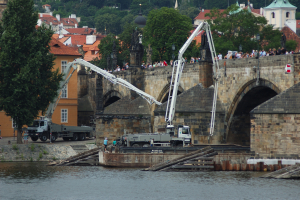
(43, 137)
(135, 145)
(146, 145)
(34, 138)
(53, 137)
(75, 137)
(66, 138)
(81, 136)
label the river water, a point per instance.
(38, 181)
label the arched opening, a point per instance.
(111, 97)
(273, 15)
(111, 101)
(239, 124)
(287, 14)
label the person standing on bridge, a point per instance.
(105, 144)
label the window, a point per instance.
(273, 15)
(64, 92)
(287, 14)
(63, 66)
(14, 125)
(64, 115)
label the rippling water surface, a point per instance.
(37, 181)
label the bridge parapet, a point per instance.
(266, 61)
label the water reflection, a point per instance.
(17, 181)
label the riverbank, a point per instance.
(39, 151)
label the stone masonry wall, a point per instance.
(113, 127)
(199, 124)
(275, 135)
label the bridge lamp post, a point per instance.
(111, 60)
(240, 48)
(257, 38)
(173, 56)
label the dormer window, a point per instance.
(273, 15)
(287, 14)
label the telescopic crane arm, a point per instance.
(179, 64)
(112, 78)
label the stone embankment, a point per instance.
(38, 152)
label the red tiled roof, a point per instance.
(77, 39)
(55, 35)
(88, 56)
(297, 24)
(291, 35)
(201, 15)
(45, 15)
(66, 21)
(62, 40)
(58, 48)
(80, 31)
(91, 46)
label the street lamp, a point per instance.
(112, 56)
(173, 49)
(140, 38)
(257, 38)
(240, 47)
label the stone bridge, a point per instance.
(243, 85)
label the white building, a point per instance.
(281, 13)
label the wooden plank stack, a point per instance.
(195, 161)
(287, 172)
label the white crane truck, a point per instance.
(44, 128)
(183, 132)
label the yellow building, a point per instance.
(66, 110)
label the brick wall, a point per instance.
(275, 135)
(112, 127)
(291, 35)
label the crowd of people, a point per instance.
(254, 53)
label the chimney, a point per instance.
(202, 10)
(51, 13)
(75, 25)
(58, 17)
(90, 39)
(41, 15)
(242, 5)
(261, 11)
(73, 16)
(251, 4)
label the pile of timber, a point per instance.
(195, 161)
(87, 158)
(287, 172)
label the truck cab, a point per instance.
(184, 132)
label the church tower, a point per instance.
(280, 13)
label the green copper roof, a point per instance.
(281, 4)
(239, 9)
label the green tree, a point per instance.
(291, 45)
(105, 50)
(191, 12)
(231, 29)
(145, 7)
(165, 27)
(109, 21)
(27, 80)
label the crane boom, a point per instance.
(179, 64)
(112, 78)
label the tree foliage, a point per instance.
(27, 80)
(105, 50)
(232, 30)
(291, 45)
(165, 27)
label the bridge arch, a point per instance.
(247, 98)
(164, 93)
(111, 97)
